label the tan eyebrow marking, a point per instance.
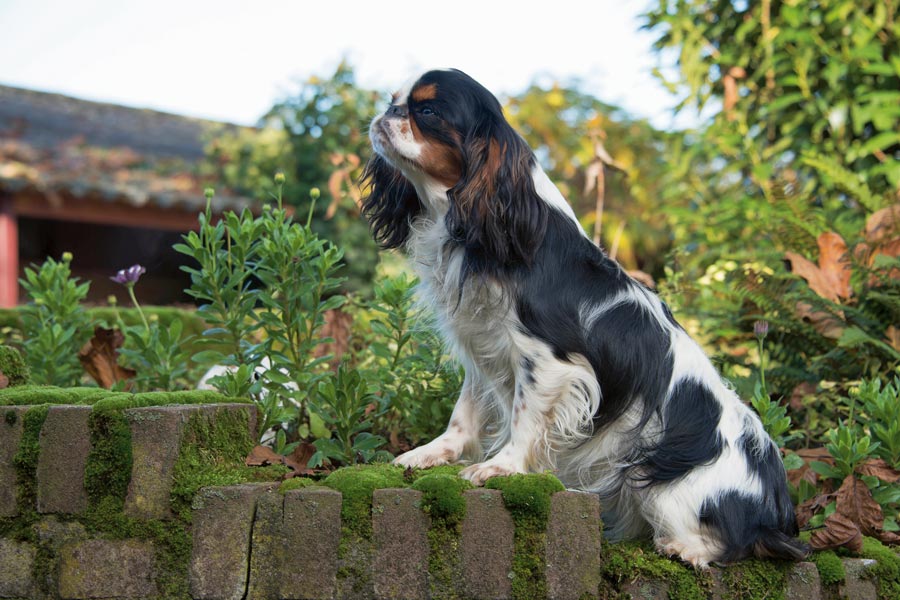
(394, 97)
(425, 92)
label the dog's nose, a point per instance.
(395, 110)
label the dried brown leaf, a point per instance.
(263, 456)
(806, 510)
(100, 357)
(893, 335)
(825, 323)
(4, 381)
(830, 278)
(801, 391)
(838, 531)
(883, 224)
(854, 501)
(879, 468)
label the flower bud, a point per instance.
(67, 257)
(761, 329)
(279, 178)
(112, 300)
(209, 193)
(315, 193)
(153, 318)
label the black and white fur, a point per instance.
(571, 366)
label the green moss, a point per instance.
(887, 569)
(756, 579)
(10, 417)
(24, 395)
(122, 401)
(108, 469)
(297, 483)
(13, 367)
(625, 561)
(26, 459)
(357, 484)
(442, 497)
(212, 452)
(443, 501)
(830, 567)
(527, 498)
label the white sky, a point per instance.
(231, 60)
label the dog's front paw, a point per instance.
(481, 472)
(432, 454)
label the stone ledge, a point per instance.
(107, 569)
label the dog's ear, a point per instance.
(389, 204)
(495, 212)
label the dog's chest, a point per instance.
(477, 322)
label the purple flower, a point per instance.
(130, 275)
(761, 329)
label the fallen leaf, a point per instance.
(263, 456)
(299, 458)
(838, 531)
(806, 510)
(100, 357)
(888, 537)
(883, 224)
(4, 381)
(830, 278)
(854, 501)
(893, 335)
(825, 323)
(879, 468)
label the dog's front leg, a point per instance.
(460, 438)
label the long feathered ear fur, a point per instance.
(495, 212)
(390, 202)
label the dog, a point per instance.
(570, 365)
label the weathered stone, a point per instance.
(10, 436)
(222, 522)
(400, 535)
(16, 561)
(573, 546)
(155, 440)
(486, 546)
(858, 583)
(107, 569)
(312, 529)
(295, 545)
(65, 443)
(645, 588)
(267, 554)
(803, 582)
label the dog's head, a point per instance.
(445, 136)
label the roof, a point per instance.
(58, 147)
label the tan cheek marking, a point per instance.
(438, 160)
(425, 92)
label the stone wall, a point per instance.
(71, 526)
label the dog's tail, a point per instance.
(773, 543)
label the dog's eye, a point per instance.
(427, 111)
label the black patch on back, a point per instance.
(627, 347)
(690, 436)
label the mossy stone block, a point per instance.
(487, 538)
(803, 582)
(268, 554)
(573, 546)
(858, 583)
(400, 535)
(107, 569)
(10, 436)
(312, 534)
(64, 443)
(156, 435)
(16, 562)
(222, 523)
(13, 370)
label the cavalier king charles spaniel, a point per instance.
(570, 365)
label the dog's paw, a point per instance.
(696, 554)
(432, 454)
(481, 472)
